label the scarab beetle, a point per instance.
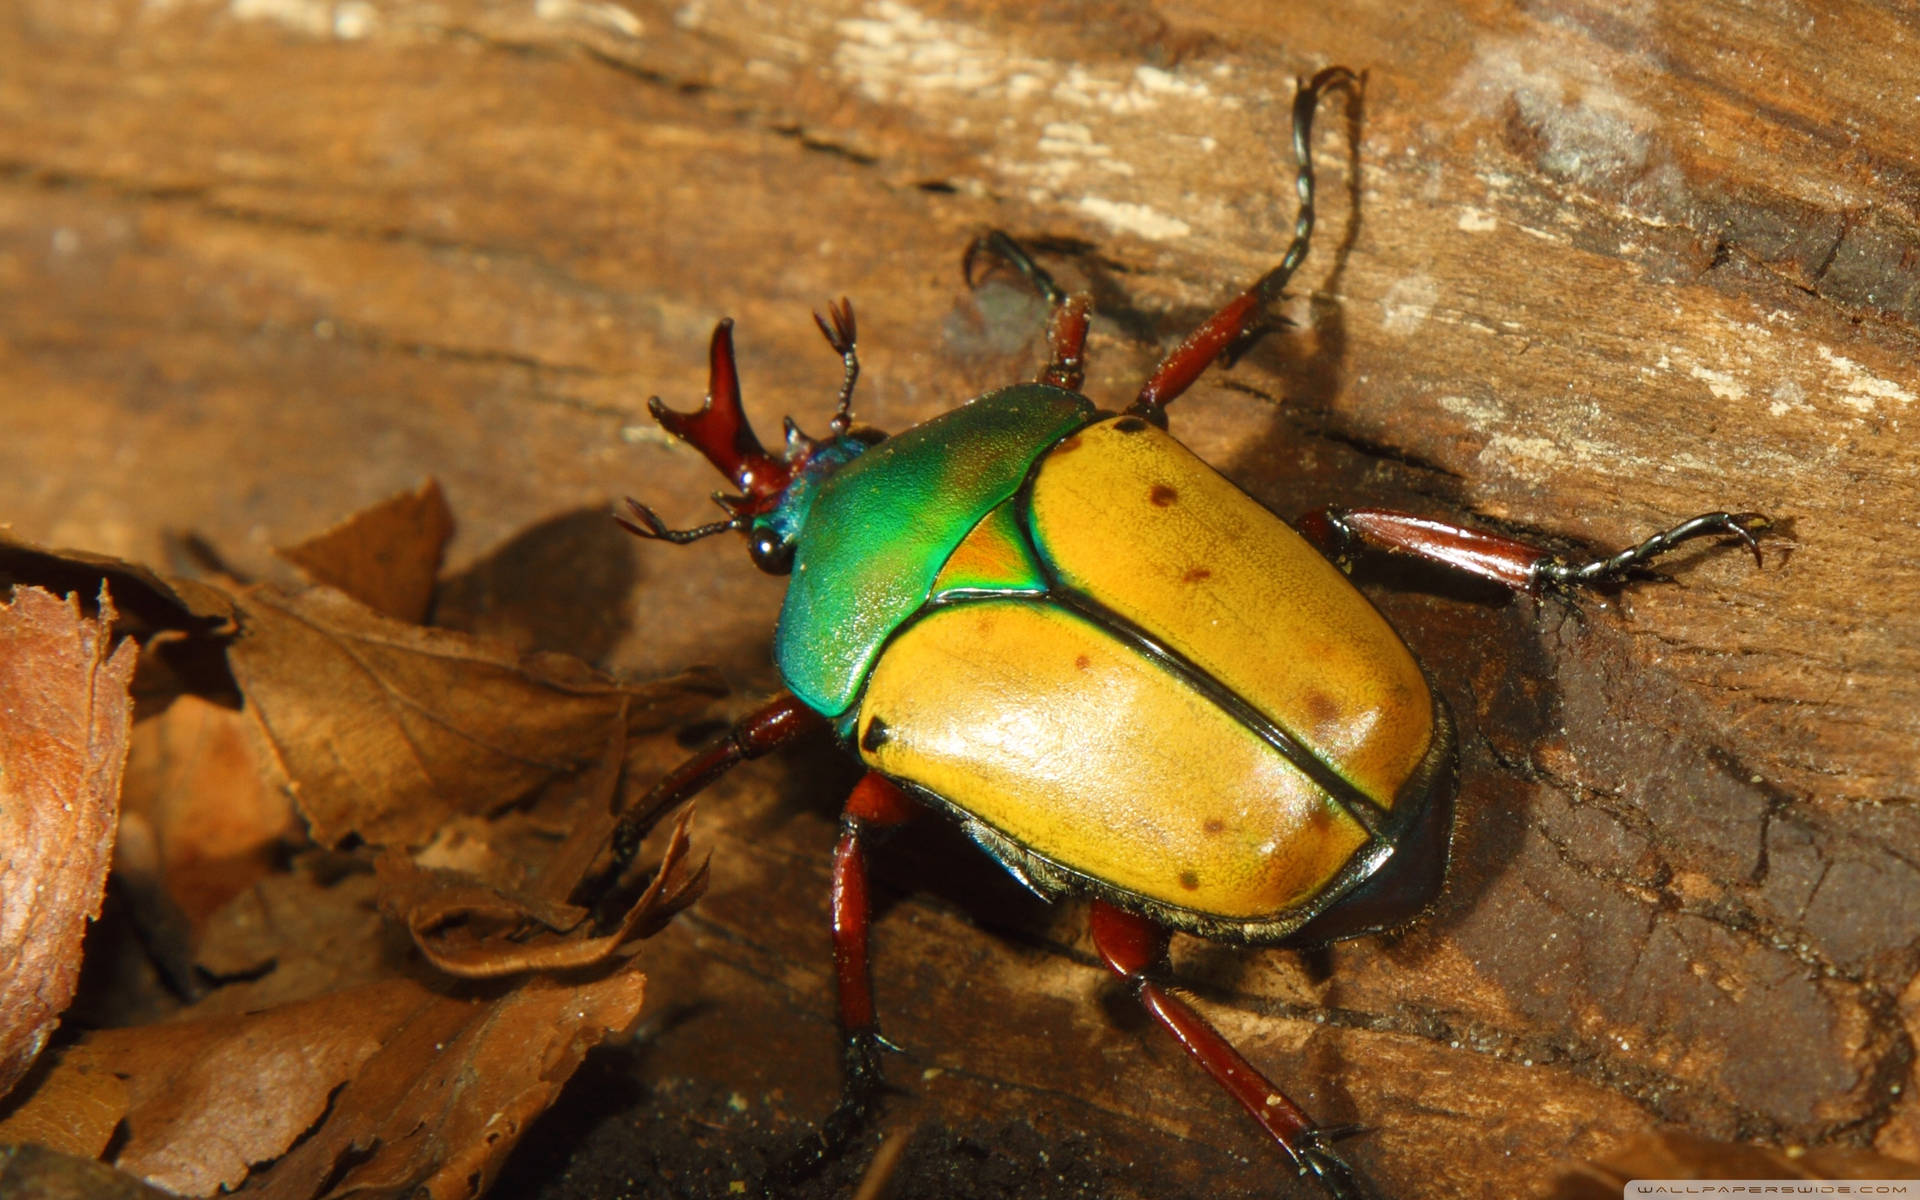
(1123, 676)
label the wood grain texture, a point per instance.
(264, 262)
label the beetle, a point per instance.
(1121, 675)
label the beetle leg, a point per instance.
(876, 802)
(996, 243)
(1247, 314)
(1507, 561)
(1133, 948)
(1555, 572)
(1067, 344)
(1066, 327)
(775, 723)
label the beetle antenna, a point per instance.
(842, 336)
(642, 521)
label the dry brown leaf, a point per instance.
(436, 1111)
(182, 625)
(63, 744)
(37, 1173)
(194, 775)
(478, 924)
(518, 856)
(159, 931)
(476, 931)
(302, 934)
(211, 1096)
(590, 821)
(147, 599)
(74, 1109)
(386, 730)
(387, 556)
(357, 1079)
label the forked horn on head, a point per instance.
(719, 429)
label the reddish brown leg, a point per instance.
(875, 803)
(1133, 948)
(1246, 313)
(1067, 344)
(1507, 561)
(775, 723)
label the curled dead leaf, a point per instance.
(476, 927)
(63, 745)
(144, 600)
(182, 625)
(476, 931)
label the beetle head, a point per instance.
(775, 491)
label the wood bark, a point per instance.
(1584, 270)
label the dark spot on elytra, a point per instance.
(876, 735)
(1190, 880)
(1213, 825)
(1324, 710)
(1072, 443)
(1162, 495)
(1083, 661)
(1196, 574)
(1129, 425)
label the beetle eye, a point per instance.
(770, 552)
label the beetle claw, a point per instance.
(863, 1084)
(1747, 526)
(1336, 1175)
(1340, 1133)
(975, 249)
(1551, 572)
(1000, 247)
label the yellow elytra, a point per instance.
(1167, 696)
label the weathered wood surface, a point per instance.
(265, 261)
